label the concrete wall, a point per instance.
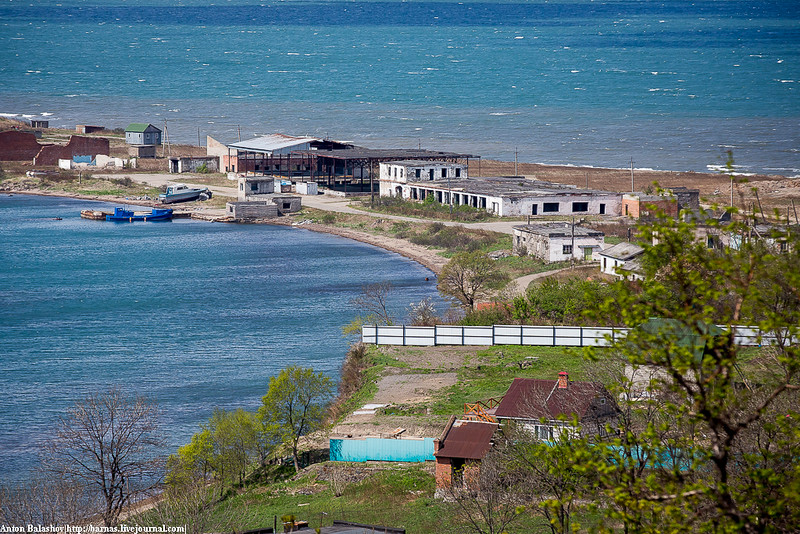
(251, 210)
(640, 208)
(607, 202)
(77, 146)
(551, 248)
(251, 187)
(288, 204)
(381, 449)
(142, 151)
(307, 188)
(181, 165)
(18, 146)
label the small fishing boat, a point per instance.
(95, 215)
(183, 193)
(123, 215)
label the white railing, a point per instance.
(552, 336)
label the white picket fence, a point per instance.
(552, 336)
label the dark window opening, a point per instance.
(458, 173)
(602, 209)
(550, 207)
(567, 249)
(580, 206)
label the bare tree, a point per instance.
(43, 500)
(373, 302)
(488, 495)
(470, 276)
(108, 443)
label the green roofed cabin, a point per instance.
(139, 133)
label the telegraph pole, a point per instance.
(632, 189)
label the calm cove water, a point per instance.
(196, 315)
(672, 84)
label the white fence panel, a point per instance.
(424, 336)
(507, 335)
(561, 336)
(568, 336)
(538, 335)
(596, 337)
(478, 335)
(449, 335)
(369, 333)
(390, 335)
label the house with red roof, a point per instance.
(459, 451)
(548, 408)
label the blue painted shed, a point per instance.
(381, 449)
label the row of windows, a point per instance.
(431, 173)
(555, 207)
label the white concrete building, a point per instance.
(395, 174)
(553, 242)
(503, 196)
(621, 261)
(255, 187)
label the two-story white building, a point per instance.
(506, 196)
(395, 176)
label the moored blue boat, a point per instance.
(156, 214)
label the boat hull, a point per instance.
(123, 215)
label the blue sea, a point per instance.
(670, 84)
(195, 315)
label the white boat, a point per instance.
(183, 193)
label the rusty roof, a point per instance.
(466, 439)
(532, 398)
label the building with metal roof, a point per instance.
(621, 260)
(142, 133)
(460, 449)
(546, 408)
(551, 242)
(506, 196)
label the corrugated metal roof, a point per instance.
(532, 398)
(622, 251)
(271, 143)
(139, 127)
(386, 154)
(467, 439)
(558, 229)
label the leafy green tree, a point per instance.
(295, 405)
(233, 437)
(469, 276)
(554, 302)
(709, 441)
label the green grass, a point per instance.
(396, 496)
(499, 367)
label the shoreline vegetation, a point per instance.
(418, 388)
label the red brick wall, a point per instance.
(444, 473)
(18, 146)
(77, 146)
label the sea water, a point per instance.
(195, 315)
(669, 84)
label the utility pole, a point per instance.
(198, 136)
(587, 180)
(239, 129)
(632, 189)
(516, 172)
(572, 246)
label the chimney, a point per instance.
(563, 380)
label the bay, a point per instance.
(195, 315)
